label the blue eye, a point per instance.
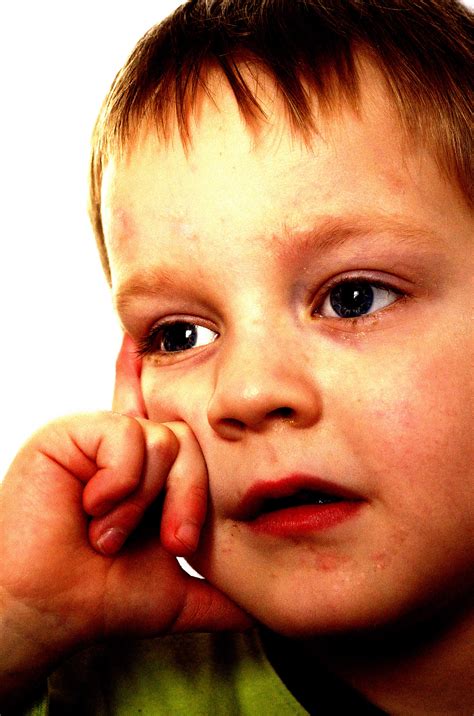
(179, 336)
(356, 298)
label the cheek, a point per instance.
(420, 426)
(169, 397)
(161, 396)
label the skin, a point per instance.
(244, 234)
(233, 236)
(64, 582)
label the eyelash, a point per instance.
(148, 344)
(353, 280)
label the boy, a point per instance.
(280, 196)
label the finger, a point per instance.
(132, 462)
(185, 504)
(205, 608)
(95, 448)
(149, 594)
(118, 462)
(128, 398)
(107, 533)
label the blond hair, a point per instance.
(423, 48)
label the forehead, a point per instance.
(235, 187)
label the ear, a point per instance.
(128, 398)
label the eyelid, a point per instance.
(145, 345)
(383, 281)
(388, 297)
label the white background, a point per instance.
(59, 336)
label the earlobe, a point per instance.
(128, 397)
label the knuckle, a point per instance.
(181, 430)
(194, 613)
(165, 444)
(205, 610)
(126, 427)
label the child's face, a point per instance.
(269, 251)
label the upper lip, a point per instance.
(259, 497)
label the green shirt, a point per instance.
(191, 674)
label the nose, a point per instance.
(258, 385)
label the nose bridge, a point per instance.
(262, 377)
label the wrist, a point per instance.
(26, 659)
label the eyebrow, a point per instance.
(330, 234)
(150, 280)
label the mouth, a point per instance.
(296, 505)
(297, 499)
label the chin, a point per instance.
(304, 625)
(301, 624)
(300, 616)
(365, 616)
(299, 608)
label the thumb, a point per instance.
(128, 398)
(207, 609)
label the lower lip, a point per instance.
(305, 519)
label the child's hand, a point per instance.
(71, 497)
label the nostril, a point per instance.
(233, 426)
(285, 413)
(232, 423)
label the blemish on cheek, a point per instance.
(322, 562)
(327, 564)
(227, 545)
(380, 560)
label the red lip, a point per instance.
(296, 505)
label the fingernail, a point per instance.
(188, 534)
(111, 541)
